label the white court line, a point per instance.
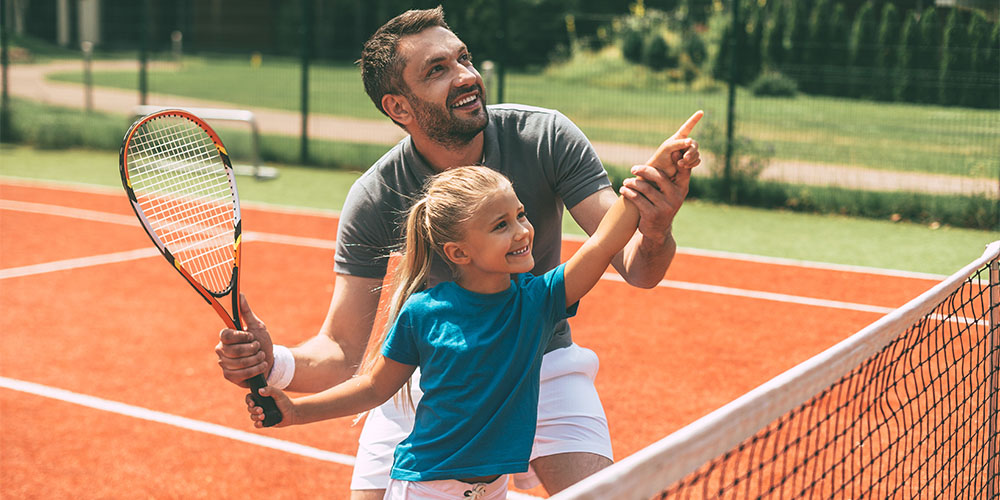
(126, 220)
(191, 424)
(330, 245)
(284, 239)
(74, 213)
(755, 294)
(174, 420)
(718, 254)
(64, 265)
(317, 212)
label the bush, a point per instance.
(975, 212)
(632, 47)
(657, 54)
(774, 84)
(695, 48)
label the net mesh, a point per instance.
(187, 195)
(916, 419)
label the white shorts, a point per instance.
(570, 420)
(446, 490)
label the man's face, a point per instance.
(445, 90)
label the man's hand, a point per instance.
(660, 186)
(243, 354)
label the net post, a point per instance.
(994, 466)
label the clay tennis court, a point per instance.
(109, 386)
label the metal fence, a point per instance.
(843, 127)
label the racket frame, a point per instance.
(232, 320)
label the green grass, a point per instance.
(612, 102)
(833, 239)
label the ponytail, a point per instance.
(450, 199)
(409, 277)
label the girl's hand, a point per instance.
(281, 400)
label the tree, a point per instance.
(887, 53)
(753, 52)
(722, 65)
(955, 69)
(837, 70)
(798, 40)
(928, 57)
(816, 54)
(984, 82)
(990, 57)
(907, 61)
(863, 52)
(774, 38)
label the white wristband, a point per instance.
(283, 368)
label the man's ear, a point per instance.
(455, 253)
(398, 108)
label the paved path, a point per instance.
(28, 81)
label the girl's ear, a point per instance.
(455, 253)
(398, 108)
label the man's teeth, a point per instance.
(465, 101)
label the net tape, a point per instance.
(905, 408)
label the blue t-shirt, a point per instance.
(480, 358)
(546, 157)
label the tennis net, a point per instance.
(905, 408)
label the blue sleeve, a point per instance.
(558, 287)
(552, 292)
(400, 342)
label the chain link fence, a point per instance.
(857, 95)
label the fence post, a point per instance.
(5, 133)
(307, 42)
(502, 52)
(994, 371)
(146, 26)
(88, 81)
(735, 40)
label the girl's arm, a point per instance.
(587, 265)
(356, 395)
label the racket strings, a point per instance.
(184, 190)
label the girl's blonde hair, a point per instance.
(448, 200)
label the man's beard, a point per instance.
(441, 124)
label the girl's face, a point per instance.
(497, 239)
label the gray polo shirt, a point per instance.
(547, 158)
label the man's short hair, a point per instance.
(381, 65)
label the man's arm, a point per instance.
(658, 190)
(334, 354)
(649, 253)
(321, 362)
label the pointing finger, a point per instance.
(685, 130)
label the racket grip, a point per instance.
(272, 416)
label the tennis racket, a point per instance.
(178, 178)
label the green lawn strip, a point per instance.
(821, 238)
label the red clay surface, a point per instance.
(134, 332)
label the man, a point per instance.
(420, 75)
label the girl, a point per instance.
(478, 340)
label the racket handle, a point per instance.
(272, 416)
